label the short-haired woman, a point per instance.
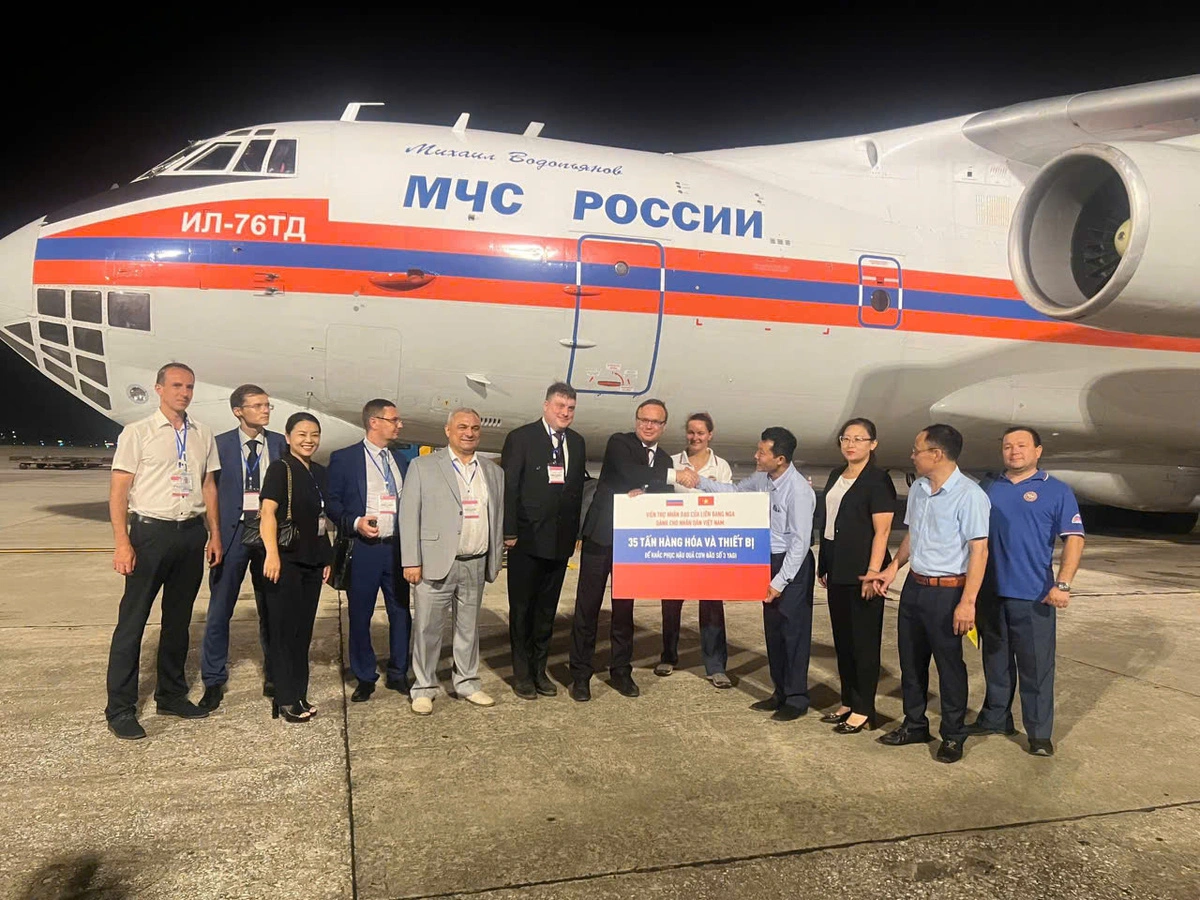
(294, 490)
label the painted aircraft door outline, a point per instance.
(605, 358)
(880, 291)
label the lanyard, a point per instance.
(246, 459)
(474, 471)
(181, 442)
(313, 478)
(379, 468)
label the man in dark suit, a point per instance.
(545, 465)
(633, 462)
(245, 453)
(365, 483)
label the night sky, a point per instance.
(95, 102)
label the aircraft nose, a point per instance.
(16, 279)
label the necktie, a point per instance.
(252, 465)
(386, 465)
(556, 438)
(649, 456)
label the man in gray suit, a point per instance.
(451, 541)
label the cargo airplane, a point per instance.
(1029, 264)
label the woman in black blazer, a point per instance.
(294, 490)
(857, 506)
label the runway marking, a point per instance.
(796, 852)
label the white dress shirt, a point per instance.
(377, 486)
(149, 449)
(714, 467)
(473, 541)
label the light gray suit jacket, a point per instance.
(431, 515)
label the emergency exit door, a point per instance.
(619, 284)
(880, 292)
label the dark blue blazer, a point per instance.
(229, 489)
(347, 498)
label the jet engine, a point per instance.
(1107, 235)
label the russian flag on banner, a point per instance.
(694, 547)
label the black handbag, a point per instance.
(285, 534)
(339, 569)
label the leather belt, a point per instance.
(940, 580)
(469, 558)
(178, 525)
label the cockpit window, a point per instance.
(252, 159)
(283, 158)
(215, 159)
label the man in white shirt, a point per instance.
(162, 495)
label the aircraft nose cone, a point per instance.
(16, 276)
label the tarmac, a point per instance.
(683, 792)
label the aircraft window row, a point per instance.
(61, 355)
(52, 331)
(126, 309)
(215, 159)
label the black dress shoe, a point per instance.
(268, 688)
(847, 728)
(771, 704)
(977, 729)
(363, 692)
(625, 686)
(1041, 747)
(581, 691)
(400, 686)
(544, 685)
(184, 709)
(525, 690)
(834, 718)
(126, 727)
(212, 697)
(788, 713)
(950, 752)
(902, 736)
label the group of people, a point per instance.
(438, 527)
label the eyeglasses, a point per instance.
(918, 451)
(854, 440)
(266, 406)
(657, 422)
(392, 420)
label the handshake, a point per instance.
(687, 478)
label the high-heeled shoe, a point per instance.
(847, 728)
(293, 713)
(274, 710)
(834, 718)
(306, 706)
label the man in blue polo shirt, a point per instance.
(947, 521)
(1017, 607)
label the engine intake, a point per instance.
(1106, 235)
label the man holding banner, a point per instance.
(788, 605)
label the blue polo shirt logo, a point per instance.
(1030, 496)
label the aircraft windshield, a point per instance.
(238, 153)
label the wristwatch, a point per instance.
(1064, 586)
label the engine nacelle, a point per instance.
(1107, 235)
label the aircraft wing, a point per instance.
(1036, 131)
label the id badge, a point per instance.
(470, 508)
(557, 474)
(387, 503)
(181, 483)
(250, 501)
(321, 526)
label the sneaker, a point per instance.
(721, 680)
(422, 706)
(479, 698)
(1041, 747)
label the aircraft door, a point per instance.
(880, 292)
(618, 290)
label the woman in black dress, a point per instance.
(858, 505)
(294, 490)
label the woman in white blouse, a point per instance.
(698, 456)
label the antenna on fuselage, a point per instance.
(460, 127)
(350, 113)
(533, 129)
